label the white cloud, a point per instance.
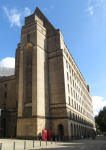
(47, 10)
(8, 62)
(98, 104)
(14, 16)
(91, 8)
(27, 11)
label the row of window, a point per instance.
(77, 118)
(77, 80)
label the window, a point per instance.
(70, 79)
(4, 105)
(28, 38)
(75, 105)
(79, 108)
(5, 85)
(69, 69)
(73, 115)
(73, 83)
(69, 100)
(5, 94)
(70, 114)
(66, 65)
(72, 72)
(72, 102)
(76, 95)
(67, 76)
(71, 91)
(68, 87)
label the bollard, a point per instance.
(1, 146)
(55, 140)
(24, 144)
(51, 140)
(59, 139)
(46, 141)
(14, 146)
(40, 142)
(33, 144)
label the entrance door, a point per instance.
(4, 127)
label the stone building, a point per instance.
(47, 90)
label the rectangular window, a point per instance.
(73, 83)
(69, 69)
(72, 102)
(5, 94)
(72, 72)
(70, 114)
(76, 95)
(71, 91)
(67, 76)
(4, 105)
(66, 65)
(70, 79)
(69, 100)
(75, 105)
(68, 87)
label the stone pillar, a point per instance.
(20, 93)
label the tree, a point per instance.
(104, 119)
(101, 119)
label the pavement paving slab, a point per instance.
(82, 144)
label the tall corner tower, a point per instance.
(33, 92)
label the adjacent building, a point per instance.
(47, 90)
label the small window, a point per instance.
(66, 65)
(70, 79)
(69, 100)
(76, 95)
(72, 72)
(70, 114)
(5, 94)
(68, 87)
(71, 91)
(69, 69)
(73, 115)
(72, 102)
(4, 105)
(28, 38)
(73, 83)
(67, 76)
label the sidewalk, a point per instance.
(83, 144)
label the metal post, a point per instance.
(14, 146)
(51, 140)
(40, 142)
(1, 146)
(46, 141)
(24, 144)
(33, 144)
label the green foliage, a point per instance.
(104, 119)
(100, 120)
(97, 127)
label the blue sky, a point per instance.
(83, 25)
